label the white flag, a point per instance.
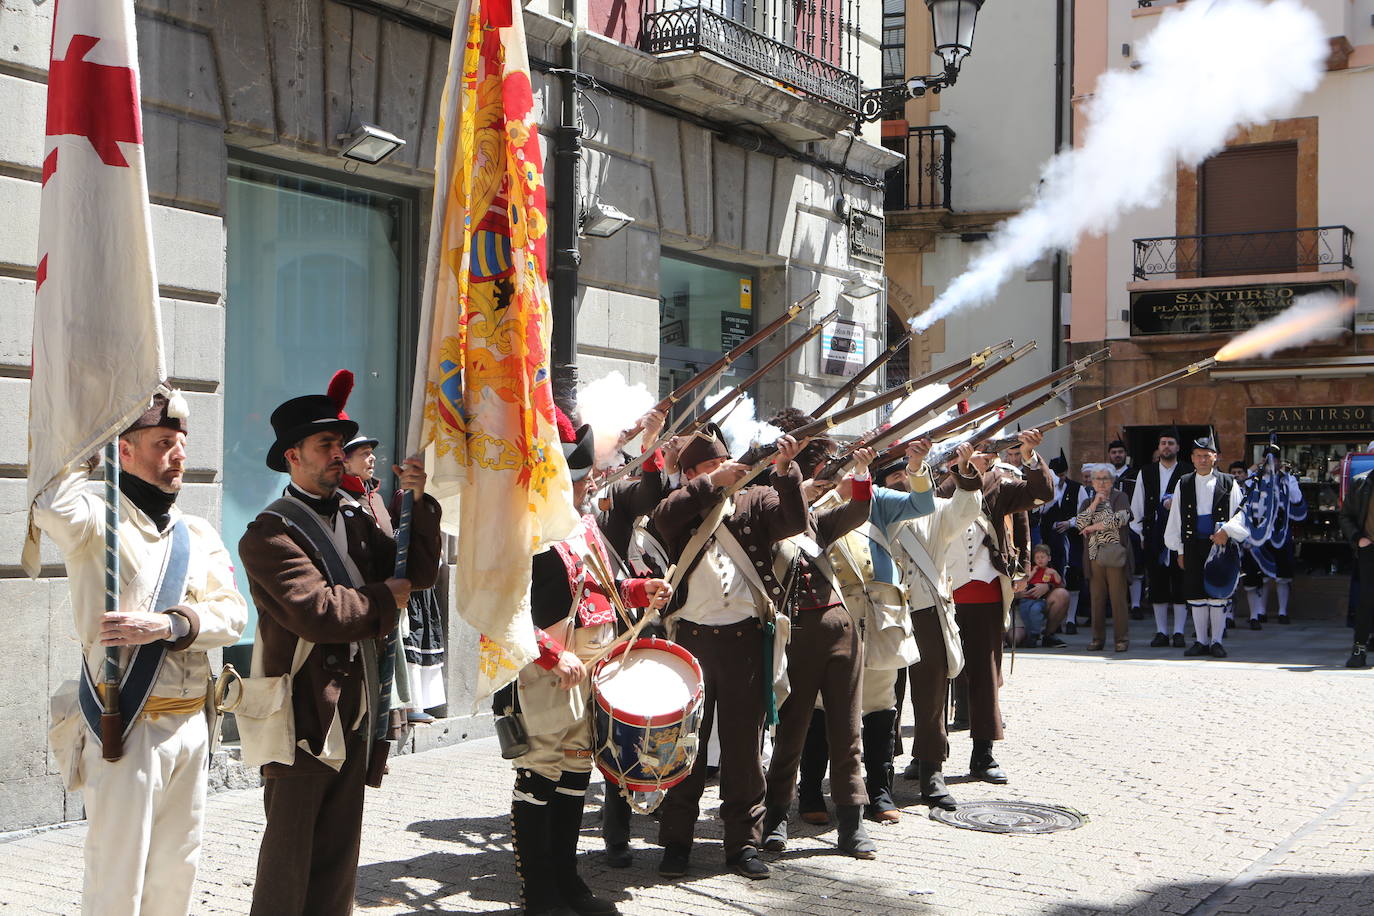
(97, 340)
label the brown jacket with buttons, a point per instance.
(762, 516)
(294, 599)
(1004, 495)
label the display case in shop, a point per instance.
(1319, 545)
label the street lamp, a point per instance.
(952, 23)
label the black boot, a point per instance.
(531, 830)
(853, 838)
(960, 721)
(615, 828)
(878, 768)
(982, 765)
(814, 759)
(934, 792)
(775, 829)
(1357, 656)
(565, 827)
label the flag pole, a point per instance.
(111, 724)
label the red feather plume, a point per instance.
(566, 431)
(340, 387)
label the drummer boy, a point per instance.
(575, 617)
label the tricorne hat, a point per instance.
(167, 410)
(579, 445)
(706, 443)
(309, 414)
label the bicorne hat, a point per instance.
(1206, 443)
(309, 414)
(167, 411)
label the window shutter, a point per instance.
(1251, 194)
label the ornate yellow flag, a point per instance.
(482, 374)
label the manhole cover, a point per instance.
(1010, 817)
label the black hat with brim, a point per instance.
(1206, 443)
(359, 442)
(881, 475)
(581, 454)
(302, 417)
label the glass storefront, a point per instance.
(318, 280)
(704, 311)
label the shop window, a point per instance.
(705, 310)
(316, 282)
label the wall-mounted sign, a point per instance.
(734, 330)
(1217, 309)
(746, 294)
(842, 348)
(1329, 418)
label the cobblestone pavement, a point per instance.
(1211, 787)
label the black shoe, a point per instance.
(959, 724)
(775, 831)
(1029, 642)
(584, 903)
(1263, 618)
(934, 792)
(1179, 641)
(1070, 628)
(674, 861)
(982, 766)
(1357, 657)
(913, 770)
(1159, 642)
(1197, 648)
(1053, 642)
(619, 856)
(1283, 619)
(1137, 613)
(1255, 624)
(748, 864)
(853, 839)
(1218, 650)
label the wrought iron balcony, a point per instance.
(809, 47)
(922, 182)
(1233, 254)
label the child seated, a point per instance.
(1032, 594)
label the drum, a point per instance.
(646, 711)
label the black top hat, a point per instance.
(305, 416)
(1205, 442)
(581, 452)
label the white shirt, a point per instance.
(1205, 487)
(1166, 476)
(718, 594)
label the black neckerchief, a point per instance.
(324, 506)
(150, 500)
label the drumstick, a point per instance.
(607, 583)
(632, 633)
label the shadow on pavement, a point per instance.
(1277, 895)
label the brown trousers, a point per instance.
(929, 679)
(308, 861)
(1105, 580)
(731, 660)
(824, 657)
(980, 633)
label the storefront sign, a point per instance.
(1217, 309)
(734, 330)
(842, 348)
(1332, 418)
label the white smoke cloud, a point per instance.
(741, 427)
(1206, 69)
(612, 405)
(909, 405)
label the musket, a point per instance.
(731, 396)
(710, 372)
(987, 430)
(1118, 398)
(848, 389)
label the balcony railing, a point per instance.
(1241, 253)
(922, 182)
(810, 47)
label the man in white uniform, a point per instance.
(146, 809)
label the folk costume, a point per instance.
(1066, 547)
(1357, 523)
(981, 566)
(1163, 579)
(1269, 562)
(146, 810)
(317, 571)
(825, 661)
(572, 612)
(875, 596)
(727, 600)
(1203, 504)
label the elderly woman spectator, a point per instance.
(1103, 523)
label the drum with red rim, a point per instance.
(647, 709)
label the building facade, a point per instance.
(722, 127)
(1282, 212)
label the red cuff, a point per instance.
(863, 489)
(655, 461)
(549, 650)
(634, 593)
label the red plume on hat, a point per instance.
(340, 387)
(566, 431)
(963, 407)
